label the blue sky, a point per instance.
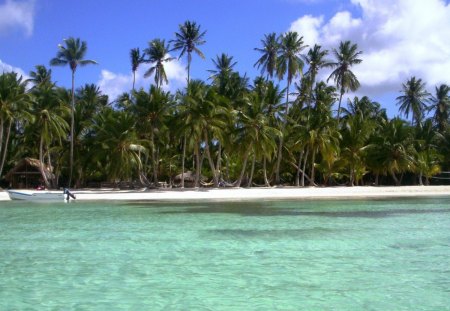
(399, 38)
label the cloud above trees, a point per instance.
(399, 39)
(17, 15)
(114, 84)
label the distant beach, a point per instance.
(240, 194)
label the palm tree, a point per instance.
(315, 59)
(14, 104)
(116, 145)
(136, 59)
(223, 69)
(42, 75)
(151, 110)
(268, 60)
(49, 124)
(157, 55)
(187, 40)
(291, 64)
(206, 119)
(440, 103)
(346, 56)
(393, 149)
(255, 134)
(414, 99)
(72, 54)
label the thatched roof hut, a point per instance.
(27, 174)
(188, 177)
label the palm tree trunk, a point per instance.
(134, 78)
(397, 182)
(266, 180)
(155, 169)
(182, 161)
(1, 135)
(280, 145)
(297, 175)
(244, 166)
(72, 124)
(41, 164)
(420, 178)
(339, 106)
(197, 164)
(250, 180)
(211, 162)
(304, 167)
(5, 148)
(313, 169)
(219, 161)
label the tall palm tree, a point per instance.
(414, 99)
(440, 103)
(72, 54)
(268, 60)
(157, 55)
(345, 57)
(187, 41)
(290, 64)
(136, 59)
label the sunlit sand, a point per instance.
(274, 193)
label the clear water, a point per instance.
(291, 255)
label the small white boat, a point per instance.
(40, 195)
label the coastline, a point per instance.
(242, 194)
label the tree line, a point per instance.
(227, 130)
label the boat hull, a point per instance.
(36, 195)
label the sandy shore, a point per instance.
(239, 194)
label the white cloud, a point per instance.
(114, 84)
(399, 39)
(8, 68)
(17, 14)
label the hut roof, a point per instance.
(22, 165)
(188, 176)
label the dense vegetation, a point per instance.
(226, 130)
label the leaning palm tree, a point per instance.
(289, 64)
(157, 53)
(187, 41)
(346, 56)
(440, 103)
(136, 59)
(414, 99)
(269, 51)
(72, 54)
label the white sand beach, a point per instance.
(273, 193)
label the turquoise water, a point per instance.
(291, 255)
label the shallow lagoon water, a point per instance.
(272, 255)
